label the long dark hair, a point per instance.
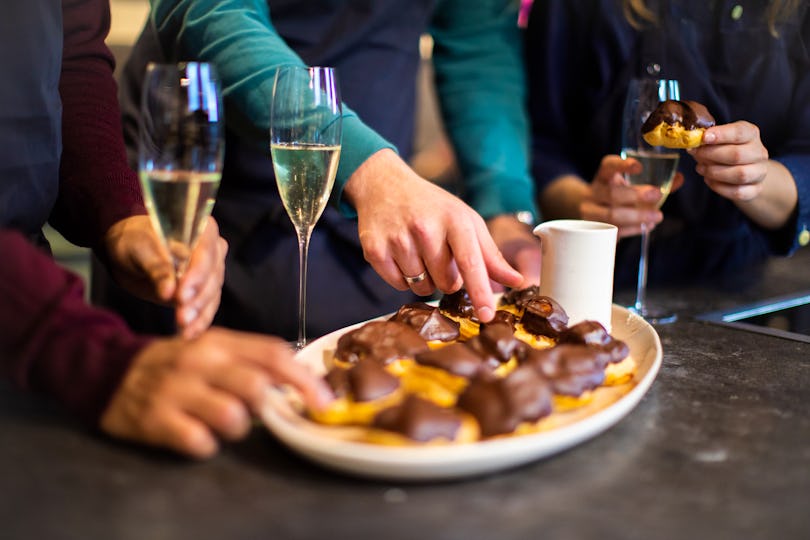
(638, 13)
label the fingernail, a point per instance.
(187, 294)
(709, 137)
(189, 314)
(485, 313)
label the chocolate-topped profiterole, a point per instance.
(364, 381)
(456, 358)
(383, 341)
(458, 304)
(520, 297)
(420, 420)
(499, 339)
(593, 334)
(503, 317)
(677, 124)
(431, 324)
(571, 369)
(500, 405)
(543, 316)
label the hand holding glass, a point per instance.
(180, 152)
(305, 139)
(658, 169)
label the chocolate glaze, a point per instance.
(366, 380)
(383, 341)
(520, 297)
(431, 324)
(543, 316)
(458, 304)
(456, 358)
(499, 339)
(490, 359)
(586, 333)
(690, 114)
(593, 334)
(500, 405)
(503, 317)
(570, 368)
(420, 420)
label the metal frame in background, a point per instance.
(733, 317)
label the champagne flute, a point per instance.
(180, 152)
(658, 171)
(305, 139)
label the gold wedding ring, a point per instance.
(416, 279)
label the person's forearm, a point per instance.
(97, 187)
(480, 79)
(562, 197)
(772, 208)
(52, 341)
(239, 38)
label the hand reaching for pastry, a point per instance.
(140, 262)
(186, 394)
(411, 228)
(611, 199)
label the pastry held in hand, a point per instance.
(677, 124)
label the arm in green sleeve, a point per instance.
(480, 80)
(238, 37)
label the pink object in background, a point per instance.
(523, 18)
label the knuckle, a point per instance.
(420, 230)
(466, 262)
(373, 254)
(746, 175)
(254, 387)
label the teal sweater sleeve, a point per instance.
(238, 38)
(478, 58)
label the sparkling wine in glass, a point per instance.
(180, 152)
(658, 171)
(305, 139)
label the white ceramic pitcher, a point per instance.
(577, 267)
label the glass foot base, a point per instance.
(654, 315)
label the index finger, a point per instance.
(277, 358)
(477, 261)
(613, 165)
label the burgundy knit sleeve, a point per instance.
(97, 187)
(50, 339)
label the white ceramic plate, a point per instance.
(334, 447)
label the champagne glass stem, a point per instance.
(303, 252)
(641, 288)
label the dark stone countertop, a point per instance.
(719, 448)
